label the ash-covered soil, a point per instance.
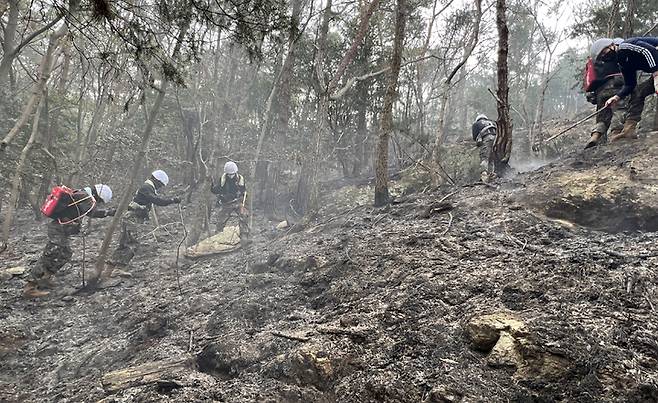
(477, 293)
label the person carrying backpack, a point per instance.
(67, 208)
(603, 79)
(133, 222)
(230, 192)
(484, 135)
(632, 55)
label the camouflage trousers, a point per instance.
(609, 119)
(228, 211)
(133, 229)
(636, 104)
(486, 148)
(57, 252)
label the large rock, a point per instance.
(485, 331)
(510, 344)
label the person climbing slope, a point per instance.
(603, 79)
(230, 192)
(133, 222)
(632, 55)
(484, 135)
(67, 208)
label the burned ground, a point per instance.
(365, 304)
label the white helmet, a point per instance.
(161, 176)
(230, 168)
(599, 45)
(480, 116)
(104, 192)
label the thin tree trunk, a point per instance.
(361, 32)
(40, 84)
(16, 182)
(137, 163)
(381, 168)
(307, 186)
(503, 145)
(8, 43)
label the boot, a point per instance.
(31, 290)
(628, 132)
(593, 140)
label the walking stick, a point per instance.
(578, 123)
(84, 257)
(180, 212)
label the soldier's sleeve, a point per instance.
(630, 82)
(149, 194)
(215, 188)
(650, 52)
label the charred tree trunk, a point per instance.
(503, 145)
(381, 168)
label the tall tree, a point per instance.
(503, 144)
(386, 126)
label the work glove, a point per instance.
(612, 101)
(591, 97)
(110, 212)
(655, 82)
(176, 200)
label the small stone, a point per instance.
(505, 353)
(443, 394)
(68, 298)
(16, 271)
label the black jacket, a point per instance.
(229, 189)
(481, 124)
(636, 54)
(145, 197)
(72, 208)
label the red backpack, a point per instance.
(52, 200)
(589, 76)
(52, 205)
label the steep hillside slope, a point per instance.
(541, 288)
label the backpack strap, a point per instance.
(485, 131)
(80, 214)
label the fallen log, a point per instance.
(152, 372)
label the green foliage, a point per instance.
(600, 18)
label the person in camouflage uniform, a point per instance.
(609, 82)
(66, 222)
(632, 55)
(230, 193)
(484, 135)
(133, 222)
